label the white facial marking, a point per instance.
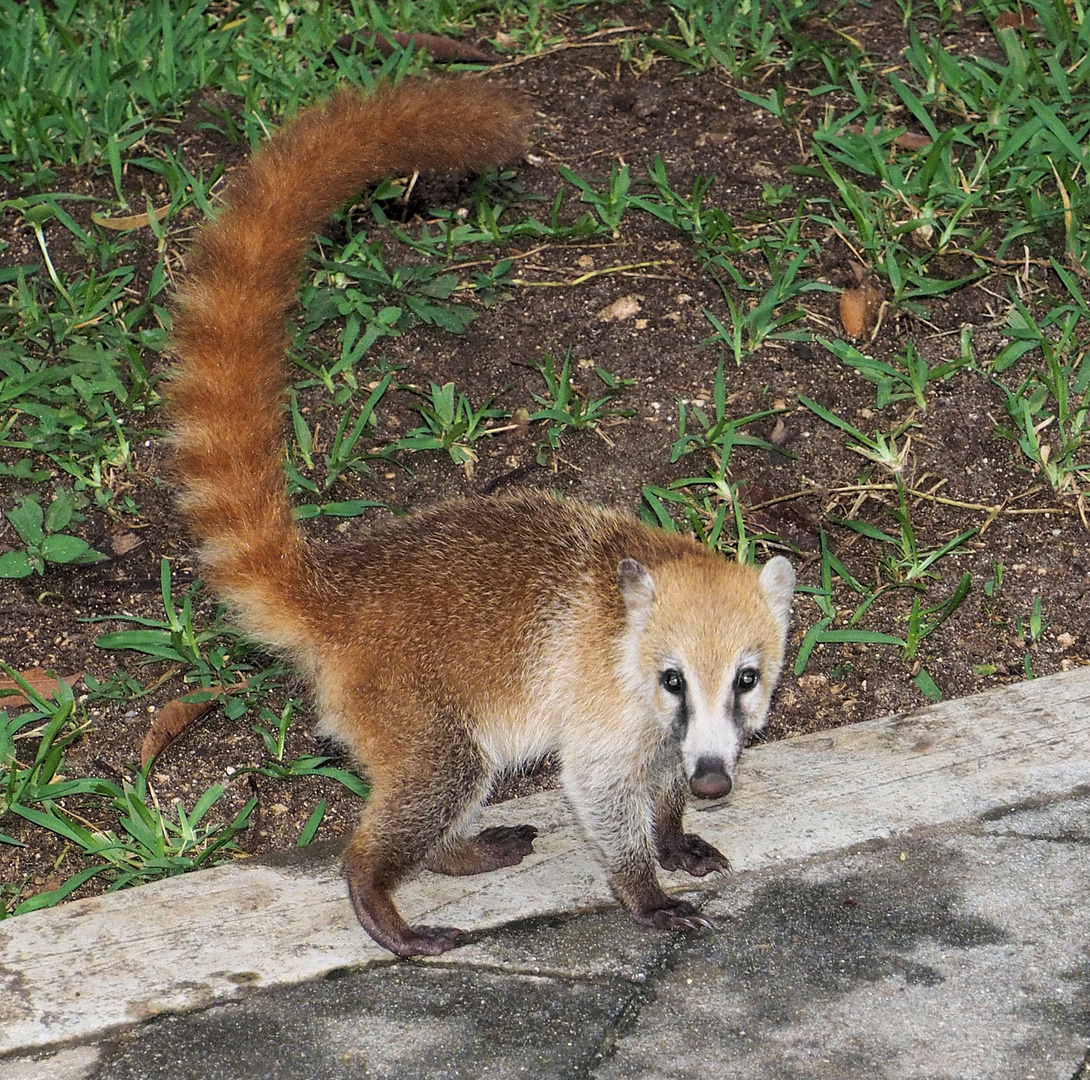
(722, 712)
(711, 731)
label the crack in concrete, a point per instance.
(1059, 838)
(671, 958)
(1083, 1071)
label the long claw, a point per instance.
(674, 915)
(430, 941)
(688, 852)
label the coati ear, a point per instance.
(636, 585)
(778, 588)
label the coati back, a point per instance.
(477, 635)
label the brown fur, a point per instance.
(243, 276)
(479, 634)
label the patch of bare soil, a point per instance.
(594, 112)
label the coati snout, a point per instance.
(711, 779)
(483, 633)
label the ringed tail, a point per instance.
(229, 337)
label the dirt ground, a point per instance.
(591, 112)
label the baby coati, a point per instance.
(480, 634)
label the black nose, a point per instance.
(710, 780)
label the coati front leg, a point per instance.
(420, 793)
(677, 849)
(617, 811)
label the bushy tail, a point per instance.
(243, 274)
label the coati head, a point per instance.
(704, 645)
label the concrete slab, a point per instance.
(189, 943)
(963, 956)
(957, 953)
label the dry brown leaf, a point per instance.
(444, 49)
(135, 221)
(521, 419)
(169, 722)
(1006, 20)
(780, 437)
(174, 717)
(41, 682)
(859, 309)
(853, 312)
(910, 140)
(907, 140)
(786, 520)
(784, 528)
(625, 307)
(124, 542)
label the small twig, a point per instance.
(1023, 262)
(883, 308)
(407, 193)
(589, 275)
(867, 489)
(586, 43)
(509, 258)
(603, 436)
(167, 675)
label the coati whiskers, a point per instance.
(478, 634)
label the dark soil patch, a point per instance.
(595, 112)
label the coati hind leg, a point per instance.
(429, 780)
(501, 845)
(391, 841)
(677, 849)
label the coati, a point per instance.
(482, 633)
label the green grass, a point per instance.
(212, 657)
(1001, 185)
(904, 377)
(451, 423)
(145, 843)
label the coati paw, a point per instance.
(378, 916)
(502, 845)
(673, 915)
(688, 852)
(426, 941)
(507, 844)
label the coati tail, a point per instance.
(243, 275)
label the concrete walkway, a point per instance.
(911, 901)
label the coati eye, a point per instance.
(672, 681)
(746, 680)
